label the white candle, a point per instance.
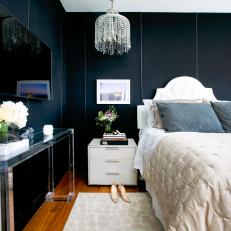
(48, 130)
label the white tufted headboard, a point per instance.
(183, 87)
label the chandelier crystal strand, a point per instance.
(17, 40)
(112, 33)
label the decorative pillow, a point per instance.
(157, 118)
(149, 111)
(223, 111)
(189, 117)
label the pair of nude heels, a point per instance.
(123, 194)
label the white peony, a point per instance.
(15, 113)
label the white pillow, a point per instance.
(149, 112)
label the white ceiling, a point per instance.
(148, 5)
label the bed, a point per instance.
(187, 174)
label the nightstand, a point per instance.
(108, 164)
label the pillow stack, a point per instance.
(154, 118)
(189, 115)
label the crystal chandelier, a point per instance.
(18, 40)
(112, 33)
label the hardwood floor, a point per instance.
(52, 216)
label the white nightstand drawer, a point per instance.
(110, 177)
(112, 152)
(110, 164)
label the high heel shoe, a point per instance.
(123, 193)
(114, 194)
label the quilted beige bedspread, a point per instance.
(190, 174)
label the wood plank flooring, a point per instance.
(52, 216)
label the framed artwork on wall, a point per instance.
(113, 91)
(35, 89)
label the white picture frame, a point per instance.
(113, 91)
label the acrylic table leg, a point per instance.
(7, 198)
(3, 197)
(50, 194)
(11, 198)
(71, 169)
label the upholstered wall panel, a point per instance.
(214, 53)
(76, 107)
(168, 49)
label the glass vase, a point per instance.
(108, 128)
(3, 132)
(13, 132)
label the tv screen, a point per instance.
(25, 61)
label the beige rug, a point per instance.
(96, 212)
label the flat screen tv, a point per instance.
(25, 61)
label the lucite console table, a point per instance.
(37, 145)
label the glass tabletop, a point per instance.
(36, 145)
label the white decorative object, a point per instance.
(17, 39)
(108, 164)
(15, 113)
(113, 91)
(183, 87)
(112, 33)
(13, 148)
(48, 130)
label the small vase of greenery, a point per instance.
(105, 119)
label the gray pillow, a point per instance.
(189, 117)
(223, 111)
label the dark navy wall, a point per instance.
(44, 18)
(214, 53)
(164, 45)
(169, 49)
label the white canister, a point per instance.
(48, 130)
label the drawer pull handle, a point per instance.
(112, 173)
(112, 148)
(112, 161)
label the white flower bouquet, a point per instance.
(13, 114)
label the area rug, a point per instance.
(96, 212)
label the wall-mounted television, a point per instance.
(25, 61)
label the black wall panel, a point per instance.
(44, 20)
(214, 53)
(75, 50)
(168, 49)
